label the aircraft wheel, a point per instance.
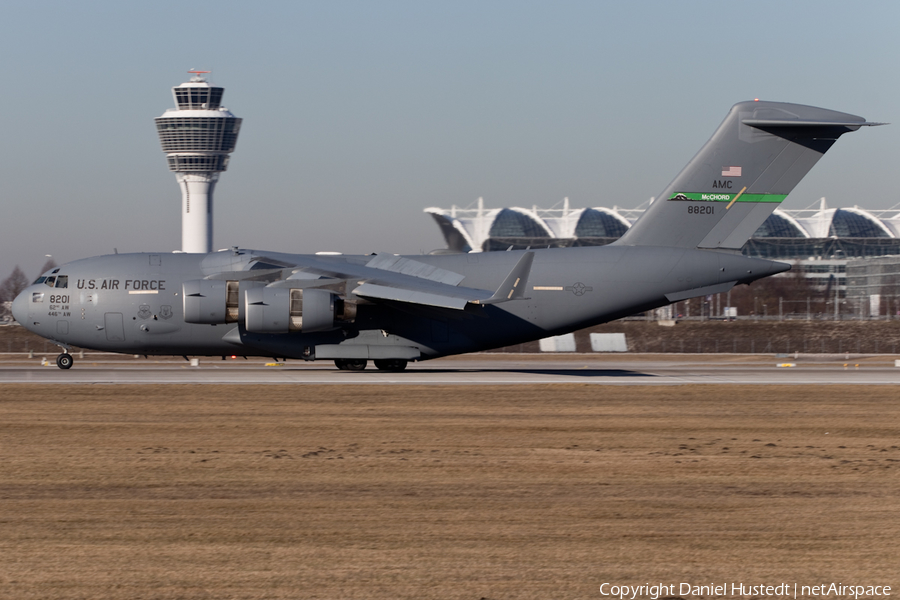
(391, 364)
(340, 364)
(355, 364)
(65, 361)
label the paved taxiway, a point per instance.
(489, 369)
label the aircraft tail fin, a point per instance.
(740, 176)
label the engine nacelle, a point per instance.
(282, 310)
(210, 302)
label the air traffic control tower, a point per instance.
(197, 136)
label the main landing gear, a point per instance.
(359, 364)
(65, 361)
(351, 364)
(391, 364)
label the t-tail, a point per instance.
(740, 176)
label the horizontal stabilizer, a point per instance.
(851, 125)
(719, 288)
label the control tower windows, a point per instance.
(185, 134)
(199, 163)
(199, 98)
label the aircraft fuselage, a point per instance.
(135, 303)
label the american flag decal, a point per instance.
(731, 171)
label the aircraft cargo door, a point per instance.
(115, 327)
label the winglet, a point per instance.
(513, 287)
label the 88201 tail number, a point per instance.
(694, 209)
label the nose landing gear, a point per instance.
(65, 361)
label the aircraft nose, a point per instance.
(19, 307)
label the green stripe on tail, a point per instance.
(745, 197)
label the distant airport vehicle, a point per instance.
(393, 309)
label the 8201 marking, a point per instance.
(701, 210)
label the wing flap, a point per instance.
(414, 268)
(412, 296)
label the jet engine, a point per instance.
(283, 310)
(210, 301)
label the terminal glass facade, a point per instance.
(513, 224)
(854, 225)
(597, 224)
(776, 226)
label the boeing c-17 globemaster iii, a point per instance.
(393, 309)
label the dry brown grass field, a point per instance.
(165, 492)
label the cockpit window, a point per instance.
(40, 279)
(62, 281)
(50, 281)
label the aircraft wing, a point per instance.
(435, 292)
(399, 279)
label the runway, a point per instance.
(477, 369)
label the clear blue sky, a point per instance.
(357, 115)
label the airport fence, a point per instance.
(681, 336)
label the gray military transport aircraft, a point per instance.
(394, 309)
